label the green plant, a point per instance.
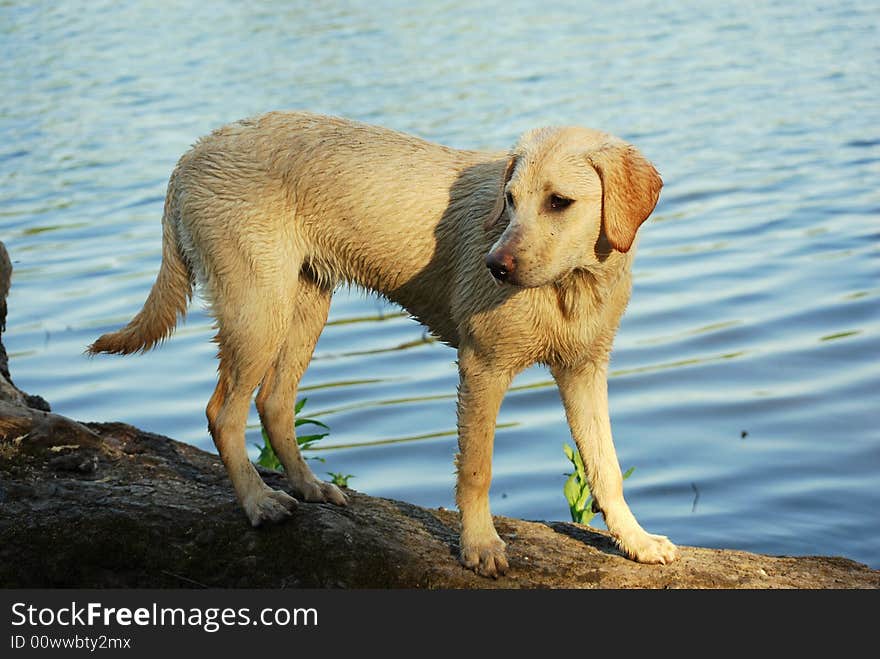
(269, 460)
(577, 489)
(338, 478)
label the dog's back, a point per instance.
(398, 205)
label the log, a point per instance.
(106, 505)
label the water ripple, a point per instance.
(745, 368)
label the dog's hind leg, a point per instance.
(277, 396)
(253, 322)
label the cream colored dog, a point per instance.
(512, 258)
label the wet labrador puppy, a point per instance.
(513, 258)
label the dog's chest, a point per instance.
(575, 340)
(575, 324)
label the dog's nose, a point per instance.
(500, 265)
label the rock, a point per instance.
(5, 281)
(8, 391)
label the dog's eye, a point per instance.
(558, 203)
(509, 197)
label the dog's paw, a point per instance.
(269, 506)
(487, 559)
(648, 548)
(315, 491)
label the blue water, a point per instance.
(745, 378)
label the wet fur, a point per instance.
(270, 214)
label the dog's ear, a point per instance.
(498, 209)
(630, 190)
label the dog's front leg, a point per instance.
(481, 389)
(584, 394)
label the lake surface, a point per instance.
(745, 376)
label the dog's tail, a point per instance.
(167, 301)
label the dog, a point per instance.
(512, 258)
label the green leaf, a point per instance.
(584, 498)
(628, 473)
(572, 490)
(575, 458)
(315, 422)
(582, 473)
(299, 405)
(586, 517)
(339, 479)
(267, 458)
(309, 439)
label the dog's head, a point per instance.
(568, 196)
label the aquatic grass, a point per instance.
(267, 457)
(577, 490)
(339, 479)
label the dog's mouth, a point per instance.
(508, 283)
(504, 269)
(513, 281)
